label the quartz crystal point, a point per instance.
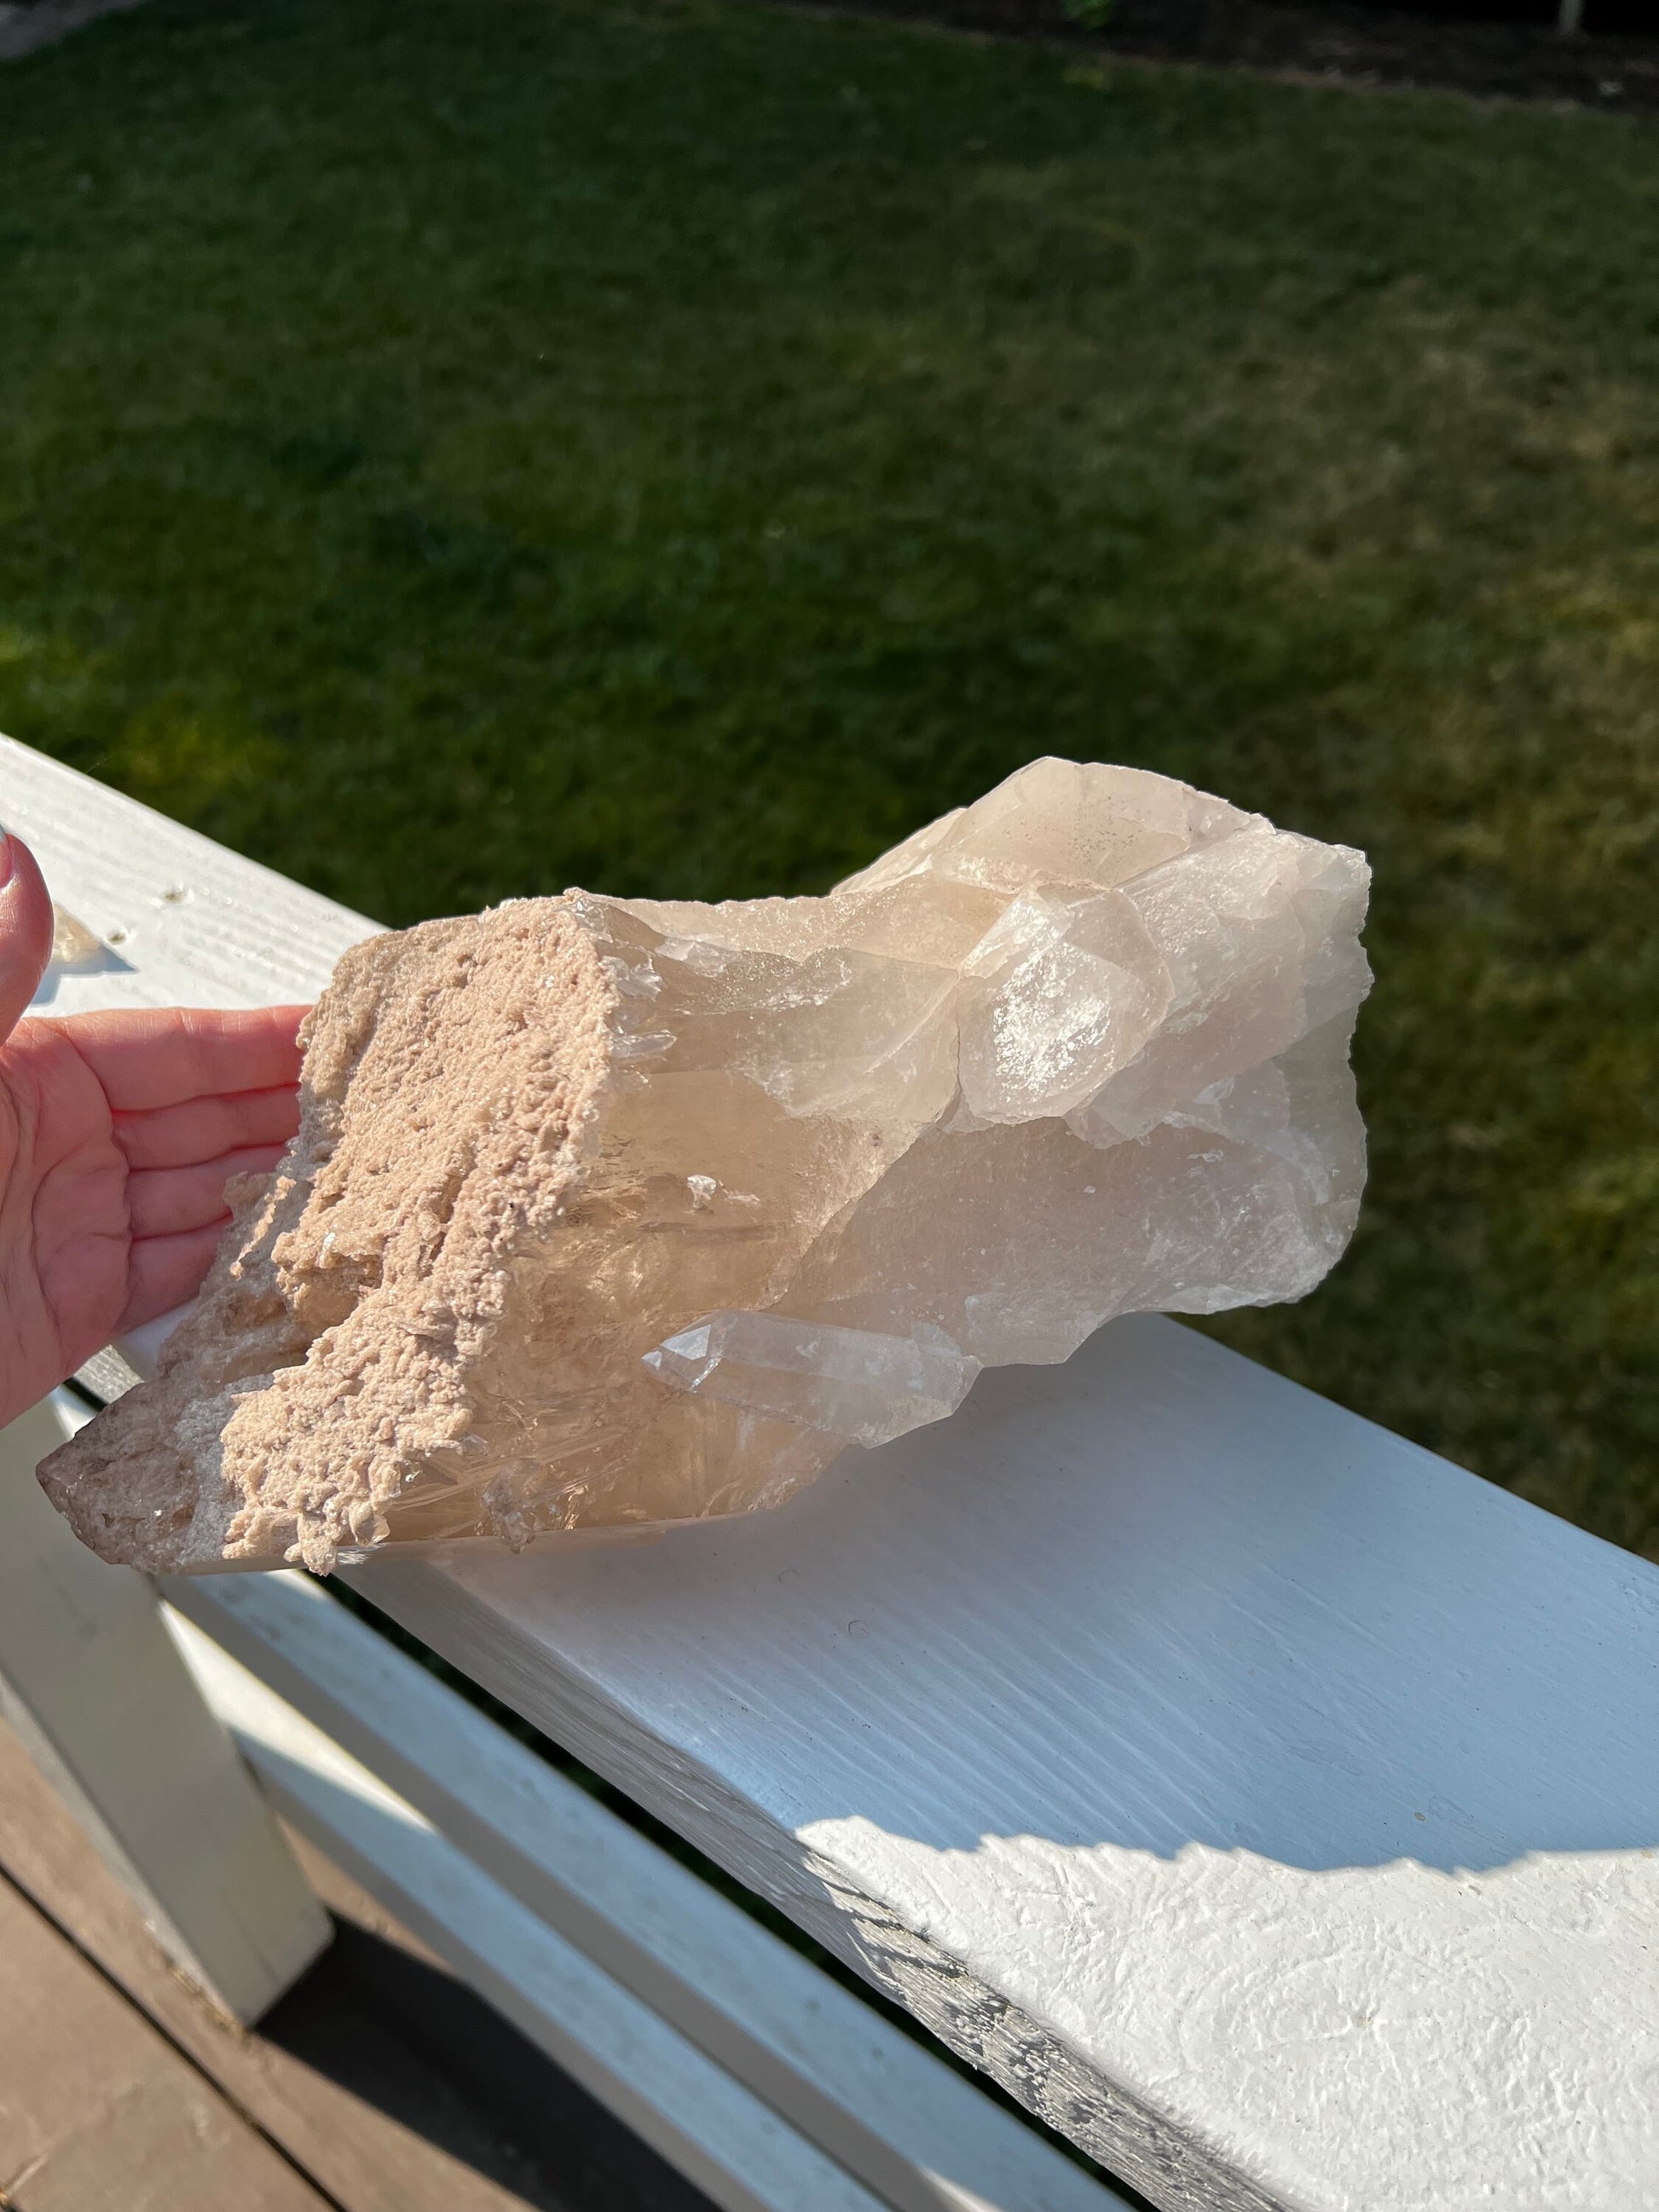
(609, 1212)
(71, 940)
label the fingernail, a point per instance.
(5, 859)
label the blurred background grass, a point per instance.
(458, 448)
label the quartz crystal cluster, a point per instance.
(615, 1212)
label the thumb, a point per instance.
(25, 926)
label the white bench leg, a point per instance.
(90, 1680)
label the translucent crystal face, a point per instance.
(71, 940)
(1077, 1050)
(853, 1382)
(609, 1212)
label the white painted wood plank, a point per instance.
(184, 921)
(1097, 1723)
(921, 2137)
(735, 2149)
(1273, 1805)
(90, 1680)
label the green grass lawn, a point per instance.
(457, 447)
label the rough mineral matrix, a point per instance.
(606, 1211)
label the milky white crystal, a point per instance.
(612, 1212)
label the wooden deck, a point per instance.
(379, 2084)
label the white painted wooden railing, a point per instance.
(1271, 1806)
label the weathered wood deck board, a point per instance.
(373, 2120)
(98, 2112)
(1271, 1804)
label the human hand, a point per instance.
(117, 1132)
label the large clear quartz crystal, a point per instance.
(608, 1213)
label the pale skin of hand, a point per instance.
(117, 1133)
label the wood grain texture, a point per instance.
(184, 922)
(917, 2134)
(1271, 1804)
(726, 2142)
(364, 2159)
(98, 2112)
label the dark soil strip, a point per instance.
(1340, 43)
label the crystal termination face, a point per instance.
(608, 1213)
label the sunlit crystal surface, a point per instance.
(71, 940)
(612, 1212)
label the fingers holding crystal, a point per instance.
(204, 1129)
(151, 1058)
(25, 929)
(164, 1271)
(163, 1201)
